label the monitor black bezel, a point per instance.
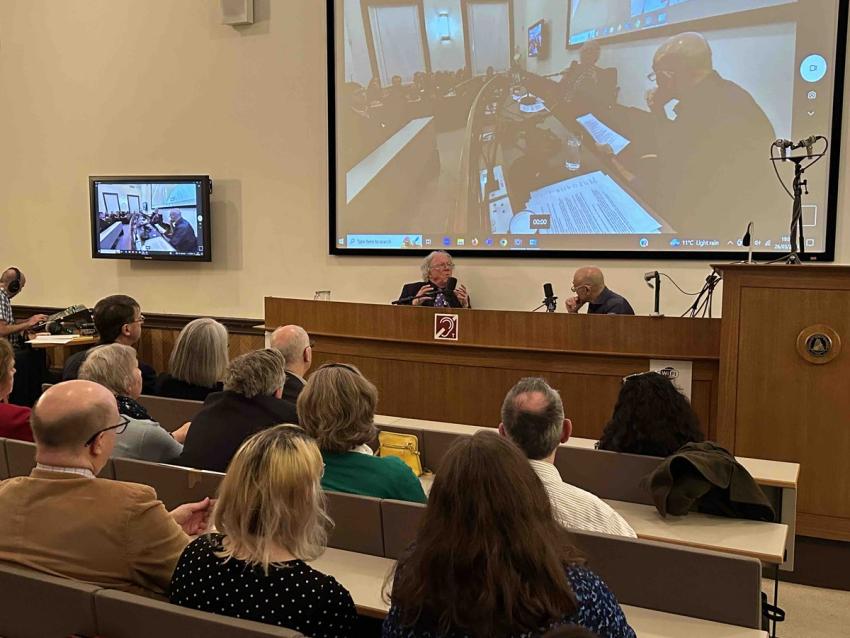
(828, 254)
(203, 209)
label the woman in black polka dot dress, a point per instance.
(271, 517)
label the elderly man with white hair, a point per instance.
(437, 269)
(294, 344)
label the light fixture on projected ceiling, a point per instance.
(445, 34)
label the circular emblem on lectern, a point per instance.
(818, 344)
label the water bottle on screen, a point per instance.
(573, 160)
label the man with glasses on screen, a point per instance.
(712, 168)
(437, 269)
(63, 520)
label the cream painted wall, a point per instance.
(92, 87)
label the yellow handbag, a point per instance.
(403, 446)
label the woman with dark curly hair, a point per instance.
(651, 417)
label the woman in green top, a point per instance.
(337, 408)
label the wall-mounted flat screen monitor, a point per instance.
(151, 218)
(644, 131)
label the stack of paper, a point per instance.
(592, 204)
(53, 339)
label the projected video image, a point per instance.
(149, 219)
(646, 126)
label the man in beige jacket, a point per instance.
(64, 521)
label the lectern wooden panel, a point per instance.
(465, 381)
(785, 381)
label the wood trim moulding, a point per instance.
(161, 321)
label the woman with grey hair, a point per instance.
(251, 401)
(116, 368)
(437, 269)
(198, 362)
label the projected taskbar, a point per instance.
(533, 242)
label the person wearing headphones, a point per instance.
(31, 364)
(12, 281)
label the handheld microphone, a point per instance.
(550, 301)
(451, 284)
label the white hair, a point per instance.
(426, 263)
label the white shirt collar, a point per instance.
(82, 471)
(363, 448)
(546, 471)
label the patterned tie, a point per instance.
(440, 301)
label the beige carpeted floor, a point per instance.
(811, 612)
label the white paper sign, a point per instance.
(679, 372)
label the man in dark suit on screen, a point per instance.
(183, 236)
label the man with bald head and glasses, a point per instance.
(436, 268)
(64, 521)
(589, 288)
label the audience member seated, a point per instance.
(118, 319)
(533, 418)
(294, 344)
(64, 521)
(251, 401)
(115, 367)
(198, 362)
(14, 419)
(337, 408)
(490, 559)
(270, 518)
(651, 417)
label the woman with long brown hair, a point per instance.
(490, 560)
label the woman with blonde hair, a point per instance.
(197, 363)
(270, 518)
(337, 408)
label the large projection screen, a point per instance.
(645, 129)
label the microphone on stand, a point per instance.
(747, 241)
(649, 278)
(550, 301)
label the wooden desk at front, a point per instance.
(465, 381)
(364, 577)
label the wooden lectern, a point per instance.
(457, 365)
(785, 381)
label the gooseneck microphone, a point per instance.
(550, 300)
(747, 240)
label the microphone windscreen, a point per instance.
(450, 284)
(547, 291)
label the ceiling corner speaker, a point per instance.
(236, 12)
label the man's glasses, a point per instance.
(141, 319)
(575, 288)
(654, 75)
(119, 429)
(443, 267)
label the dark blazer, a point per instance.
(184, 239)
(610, 303)
(168, 386)
(225, 421)
(73, 363)
(292, 388)
(410, 290)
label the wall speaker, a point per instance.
(235, 12)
